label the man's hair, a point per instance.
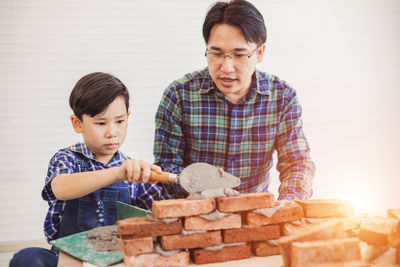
(94, 92)
(239, 13)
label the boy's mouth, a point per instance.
(111, 145)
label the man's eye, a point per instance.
(218, 55)
(239, 55)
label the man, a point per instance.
(231, 115)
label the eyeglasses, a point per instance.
(218, 57)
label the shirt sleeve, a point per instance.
(145, 194)
(169, 143)
(294, 162)
(61, 162)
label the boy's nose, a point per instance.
(111, 131)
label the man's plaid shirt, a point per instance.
(195, 122)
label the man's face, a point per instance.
(232, 74)
(104, 133)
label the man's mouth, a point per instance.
(226, 81)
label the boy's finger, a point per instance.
(145, 171)
(128, 169)
(136, 170)
(156, 168)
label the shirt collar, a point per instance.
(84, 150)
(262, 84)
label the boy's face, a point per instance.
(104, 133)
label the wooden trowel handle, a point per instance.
(164, 177)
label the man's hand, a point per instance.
(138, 171)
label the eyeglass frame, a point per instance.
(232, 54)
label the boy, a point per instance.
(85, 180)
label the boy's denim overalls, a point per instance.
(83, 214)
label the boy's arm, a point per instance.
(76, 185)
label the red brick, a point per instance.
(196, 223)
(323, 251)
(394, 213)
(141, 227)
(291, 211)
(155, 259)
(320, 208)
(197, 240)
(246, 201)
(137, 246)
(228, 253)
(173, 208)
(262, 233)
(322, 231)
(265, 248)
(373, 238)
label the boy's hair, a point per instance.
(239, 13)
(94, 92)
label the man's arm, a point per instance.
(294, 162)
(169, 141)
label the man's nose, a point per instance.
(227, 63)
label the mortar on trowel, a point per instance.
(201, 180)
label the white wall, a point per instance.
(341, 56)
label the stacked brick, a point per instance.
(305, 233)
(249, 224)
(330, 234)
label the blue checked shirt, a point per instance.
(195, 122)
(65, 161)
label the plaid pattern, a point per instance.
(66, 161)
(195, 122)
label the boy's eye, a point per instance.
(100, 123)
(120, 121)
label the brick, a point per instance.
(323, 251)
(319, 208)
(173, 208)
(135, 227)
(228, 253)
(246, 201)
(155, 259)
(265, 248)
(196, 223)
(337, 264)
(327, 230)
(398, 255)
(394, 213)
(373, 238)
(261, 233)
(369, 252)
(284, 212)
(380, 224)
(376, 230)
(137, 246)
(394, 239)
(197, 240)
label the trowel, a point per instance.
(198, 177)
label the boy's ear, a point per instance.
(76, 124)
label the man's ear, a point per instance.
(260, 53)
(76, 124)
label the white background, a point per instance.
(341, 56)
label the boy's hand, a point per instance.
(138, 171)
